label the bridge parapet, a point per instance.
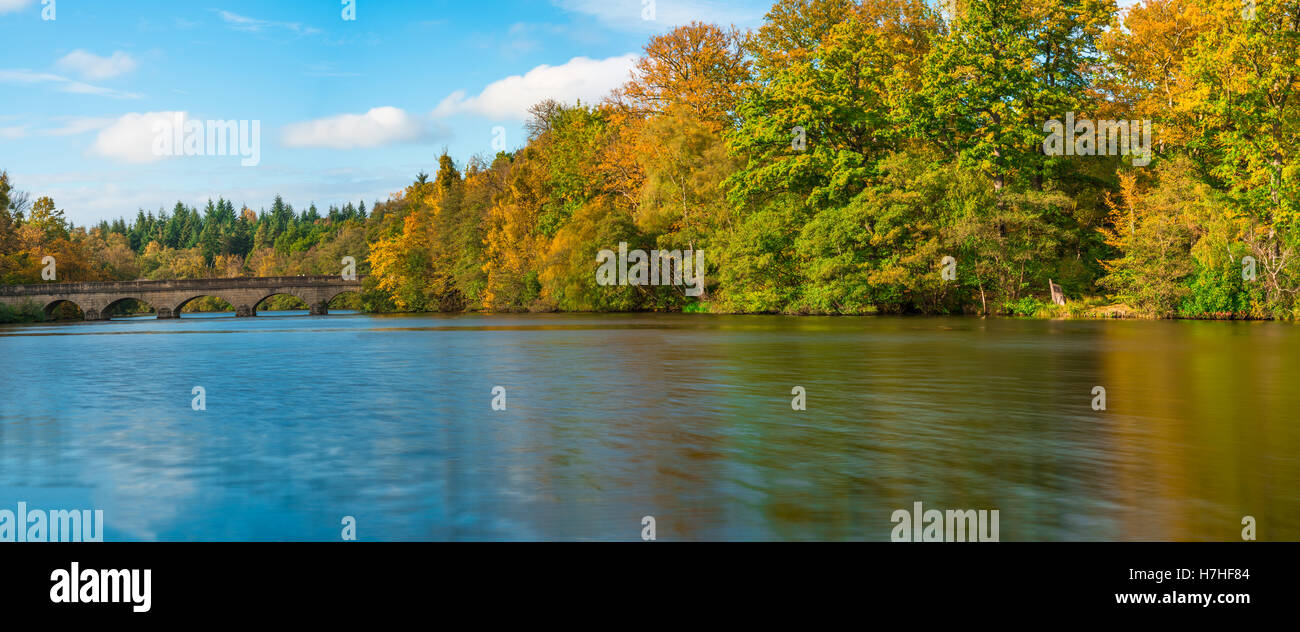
(39, 289)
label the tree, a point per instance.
(823, 109)
(1144, 74)
(1154, 231)
(698, 67)
(48, 220)
(8, 223)
(682, 200)
(1245, 76)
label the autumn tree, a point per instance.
(48, 220)
(824, 106)
(1245, 76)
(1144, 74)
(1003, 68)
(699, 68)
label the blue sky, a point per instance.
(349, 110)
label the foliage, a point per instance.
(26, 312)
(836, 160)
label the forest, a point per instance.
(827, 162)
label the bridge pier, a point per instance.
(244, 311)
(320, 309)
(165, 313)
(93, 314)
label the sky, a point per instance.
(348, 109)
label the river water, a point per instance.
(686, 418)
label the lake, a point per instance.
(686, 418)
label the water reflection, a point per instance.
(686, 418)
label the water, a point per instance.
(686, 418)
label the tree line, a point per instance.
(829, 162)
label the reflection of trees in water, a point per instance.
(1200, 416)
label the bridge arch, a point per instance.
(117, 303)
(175, 312)
(261, 303)
(314, 297)
(61, 305)
(352, 302)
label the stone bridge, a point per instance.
(169, 297)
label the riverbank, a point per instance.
(1119, 311)
(1088, 308)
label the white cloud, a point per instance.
(130, 138)
(9, 6)
(627, 14)
(254, 25)
(65, 84)
(581, 78)
(93, 67)
(80, 125)
(70, 126)
(379, 126)
(77, 87)
(27, 76)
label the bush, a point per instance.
(1027, 306)
(1218, 293)
(27, 312)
